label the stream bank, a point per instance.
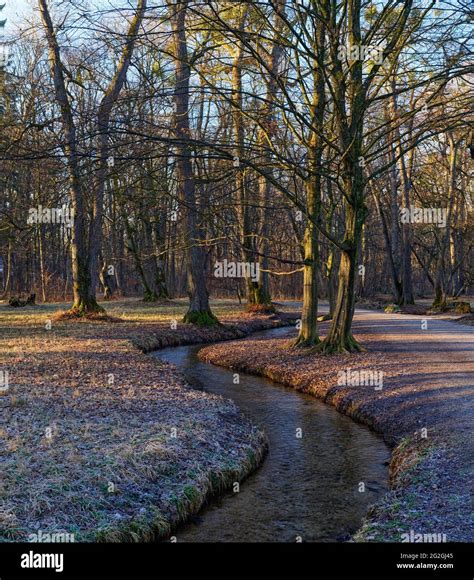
(424, 410)
(320, 475)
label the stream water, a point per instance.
(307, 487)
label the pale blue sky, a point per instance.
(16, 8)
(13, 11)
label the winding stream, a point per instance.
(306, 487)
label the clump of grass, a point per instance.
(261, 308)
(71, 315)
(405, 458)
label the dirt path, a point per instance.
(425, 408)
(435, 360)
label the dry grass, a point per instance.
(100, 441)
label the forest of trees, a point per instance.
(172, 148)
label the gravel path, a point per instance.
(435, 363)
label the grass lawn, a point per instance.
(99, 440)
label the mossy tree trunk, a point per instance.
(351, 83)
(308, 335)
(350, 129)
(340, 338)
(85, 301)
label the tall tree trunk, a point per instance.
(262, 295)
(441, 274)
(246, 233)
(83, 290)
(351, 129)
(199, 311)
(407, 233)
(391, 252)
(103, 129)
(350, 116)
(148, 295)
(308, 335)
(8, 268)
(392, 235)
(153, 266)
(85, 252)
(42, 259)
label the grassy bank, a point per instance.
(98, 440)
